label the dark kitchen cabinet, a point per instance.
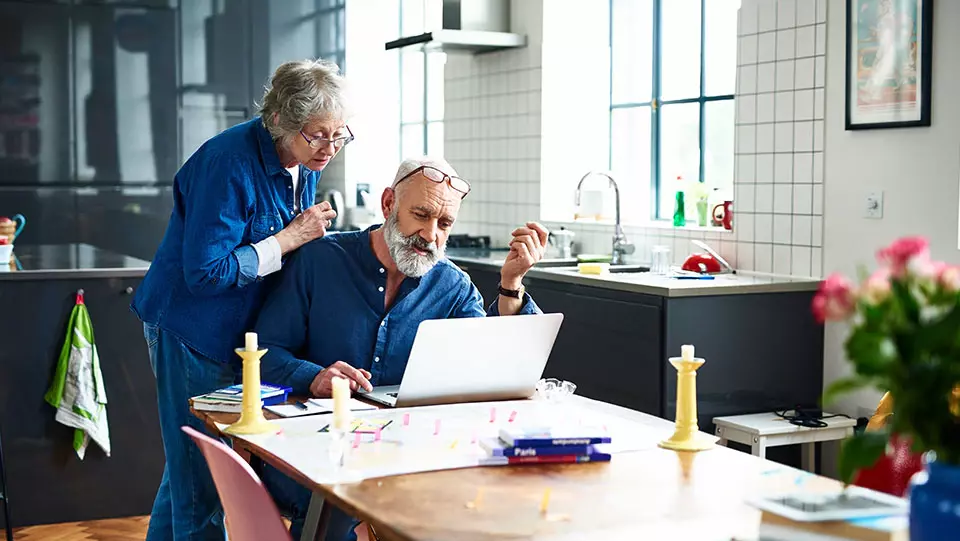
(47, 482)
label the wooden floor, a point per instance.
(115, 529)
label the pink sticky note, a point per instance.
(493, 415)
(406, 419)
(376, 435)
(513, 415)
(356, 440)
(436, 427)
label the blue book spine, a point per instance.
(553, 442)
(542, 451)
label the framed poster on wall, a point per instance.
(889, 49)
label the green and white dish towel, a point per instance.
(77, 389)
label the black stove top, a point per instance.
(468, 241)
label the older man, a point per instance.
(349, 304)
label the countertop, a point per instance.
(53, 261)
(565, 271)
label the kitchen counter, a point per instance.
(61, 261)
(565, 271)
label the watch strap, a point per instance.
(514, 293)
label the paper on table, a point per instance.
(315, 406)
(327, 404)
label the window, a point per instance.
(421, 83)
(672, 82)
(331, 31)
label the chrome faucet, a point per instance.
(620, 245)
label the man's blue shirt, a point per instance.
(328, 306)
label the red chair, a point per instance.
(250, 512)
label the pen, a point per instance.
(684, 277)
(300, 405)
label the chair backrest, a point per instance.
(250, 512)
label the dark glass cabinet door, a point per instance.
(35, 115)
(125, 94)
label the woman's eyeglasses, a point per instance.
(319, 142)
(438, 176)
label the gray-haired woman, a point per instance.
(242, 201)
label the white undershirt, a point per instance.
(268, 249)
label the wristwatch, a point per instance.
(515, 293)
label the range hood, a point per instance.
(469, 26)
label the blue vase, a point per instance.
(935, 501)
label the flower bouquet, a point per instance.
(905, 340)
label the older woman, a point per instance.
(242, 201)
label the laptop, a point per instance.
(473, 360)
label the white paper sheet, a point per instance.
(432, 438)
(315, 406)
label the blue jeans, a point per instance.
(187, 506)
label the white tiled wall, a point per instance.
(779, 181)
(493, 138)
(492, 130)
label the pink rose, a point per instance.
(949, 278)
(902, 252)
(877, 287)
(834, 300)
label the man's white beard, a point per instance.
(409, 262)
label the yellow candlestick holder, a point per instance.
(251, 420)
(687, 436)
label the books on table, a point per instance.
(230, 399)
(545, 446)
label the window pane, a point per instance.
(718, 144)
(327, 32)
(632, 51)
(341, 29)
(411, 86)
(433, 14)
(680, 58)
(679, 151)
(411, 140)
(435, 139)
(411, 12)
(720, 49)
(630, 159)
(435, 63)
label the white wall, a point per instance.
(918, 170)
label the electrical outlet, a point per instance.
(874, 205)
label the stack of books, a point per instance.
(230, 399)
(545, 446)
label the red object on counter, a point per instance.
(3, 240)
(702, 263)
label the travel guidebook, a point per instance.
(230, 399)
(544, 445)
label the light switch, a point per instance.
(874, 205)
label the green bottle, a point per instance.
(679, 211)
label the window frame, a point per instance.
(338, 10)
(656, 103)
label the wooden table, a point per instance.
(649, 494)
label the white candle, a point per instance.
(341, 403)
(686, 352)
(251, 341)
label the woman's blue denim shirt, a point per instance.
(202, 284)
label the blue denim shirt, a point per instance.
(329, 306)
(202, 285)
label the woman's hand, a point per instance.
(309, 225)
